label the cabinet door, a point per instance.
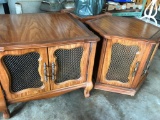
(121, 61)
(22, 72)
(69, 65)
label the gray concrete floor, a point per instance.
(145, 105)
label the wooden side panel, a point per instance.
(6, 78)
(138, 79)
(103, 53)
(83, 65)
(107, 60)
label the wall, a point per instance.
(29, 6)
(1, 9)
(33, 5)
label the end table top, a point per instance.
(125, 27)
(42, 28)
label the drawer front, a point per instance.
(22, 72)
(68, 65)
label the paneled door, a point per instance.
(22, 72)
(68, 65)
(121, 61)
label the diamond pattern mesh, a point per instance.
(23, 70)
(121, 60)
(148, 59)
(68, 64)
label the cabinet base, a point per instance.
(121, 90)
(115, 89)
(49, 94)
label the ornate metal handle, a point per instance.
(135, 69)
(53, 67)
(147, 68)
(45, 72)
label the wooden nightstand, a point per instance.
(43, 55)
(126, 54)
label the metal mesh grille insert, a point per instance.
(68, 64)
(121, 60)
(23, 70)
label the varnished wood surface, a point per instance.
(48, 94)
(84, 19)
(3, 106)
(50, 88)
(49, 58)
(5, 78)
(107, 60)
(89, 84)
(121, 26)
(41, 29)
(156, 36)
(116, 89)
(83, 65)
(44, 33)
(128, 32)
(121, 90)
(143, 61)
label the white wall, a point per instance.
(11, 6)
(29, 6)
(1, 9)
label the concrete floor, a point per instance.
(145, 105)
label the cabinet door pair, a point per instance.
(29, 72)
